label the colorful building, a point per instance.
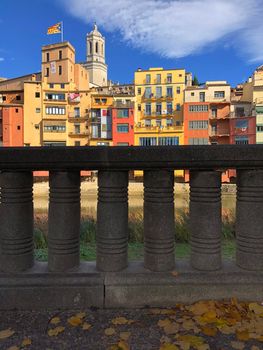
(123, 123)
(159, 98)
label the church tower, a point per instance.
(95, 62)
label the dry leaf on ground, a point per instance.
(86, 326)
(237, 345)
(55, 320)
(125, 335)
(121, 320)
(81, 315)
(75, 321)
(14, 347)
(26, 342)
(6, 333)
(168, 346)
(53, 332)
(109, 331)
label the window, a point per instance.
(56, 110)
(158, 78)
(259, 128)
(4, 98)
(62, 86)
(148, 78)
(38, 110)
(60, 70)
(148, 141)
(18, 97)
(198, 124)
(148, 123)
(148, 109)
(169, 107)
(158, 123)
(18, 127)
(17, 110)
(241, 124)
(192, 93)
(77, 143)
(60, 54)
(97, 100)
(52, 97)
(158, 109)
(97, 47)
(122, 143)
(169, 91)
(169, 78)
(169, 122)
(47, 56)
(168, 141)
(219, 94)
(202, 96)
(47, 72)
(54, 128)
(104, 100)
(178, 107)
(51, 86)
(240, 112)
(37, 95)
(90, 47)
(148, 92)
(198, 141)
(139, 91)
(123, 113)
(158, 91)
(241, 140)
(178, 90)
(37, 126)
(139, 108)
(123, 128)
(178, 123)
(214, 112)
(76, 128)
(76, 112)
(198, 108)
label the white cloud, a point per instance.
(178, 28)
(2, 59)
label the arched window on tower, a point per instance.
(90, 48)
(102, 49)
(97, 47)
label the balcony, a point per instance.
(79, 134)
(153, 98)
(219, 133)
(113, 281)
(142, 128)
(163, 114)
(77, 118)
(117, 104)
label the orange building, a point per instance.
(11, 126)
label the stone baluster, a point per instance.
(64, 221)
(112, 222)
(16, 221)
(159, 222)
(249, 219)
(205, 220)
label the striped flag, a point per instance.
(55, 29)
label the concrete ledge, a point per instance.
(137, 288)
(38, 289)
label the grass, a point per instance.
(135, 251)
(135, 248)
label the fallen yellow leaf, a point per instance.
(55, 320)
(202, 347)
(26, 342)
(237, 345)
(86, 326)
(209, 331)
(6, 333)
(55, 331)
(109, 331)
(81, 315)
(125, 335)
(123, 345)
(242, 335)
(193, 340)
(14, 347)
(168, 346)
(75, 321)
(256, 308)
(121, 321)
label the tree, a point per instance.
(195, 81)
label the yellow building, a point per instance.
(159, 98)
(56, 109)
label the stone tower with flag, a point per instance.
(95, 60)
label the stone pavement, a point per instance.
(147, 329)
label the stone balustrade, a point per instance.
(112, 281)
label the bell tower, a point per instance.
(95, 58)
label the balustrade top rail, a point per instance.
(132, 158)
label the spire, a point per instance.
(95, 28)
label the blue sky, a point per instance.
(214, 39)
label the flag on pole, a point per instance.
(55, 29)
